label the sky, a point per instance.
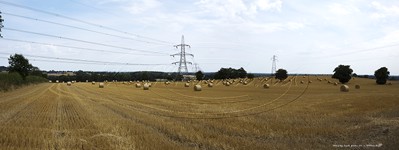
(307, 36)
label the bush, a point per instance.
(343, 73)
(281, 74)
(9, 81)
(381, 75)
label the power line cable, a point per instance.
(79, 28)
(83, 41)
(81, 21)
(75, 47)
(73, 60)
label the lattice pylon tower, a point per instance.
(274, 67)
(183, 61)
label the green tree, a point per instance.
(230, 73)
(281, 74)
(250, 76)
(381, 75)
(343, 73)
(199, 75)
(18, 63)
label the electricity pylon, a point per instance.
(274, 59)
(183, 62)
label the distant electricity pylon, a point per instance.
(274, 59)
(1, 24)
(183, 62)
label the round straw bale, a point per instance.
(335, 83)
(197, 87)
(50, 81)
(138, 85)
(310, 81)
(210, 84)
(245, 83)
(357, 86)
(56, 81)
(302, 82)
(93, 83)
(101, 85)
(344, 88)
(266, 86)
(69, 83)
(146, 86)
(187, 85)
(227, 83)
(167, 83)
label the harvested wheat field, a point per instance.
(287, 115)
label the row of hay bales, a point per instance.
(345, 88)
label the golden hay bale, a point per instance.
(50, 81)
(357, 86)
(210, 84)
(138, 85)
(56, 81)
(149, 84)
(266, 86)
(69, 83)
(302, 82)
(167, 83)
(197, 87)
(146, 86)
(187, 85)
(245, 83)
(93, 83)
(310, 81)
(344, 88)
(101, 85)
(227, 83)
(328, 81)
(303, 77)
(335, 83)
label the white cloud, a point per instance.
(384, 11)
(238, 8)
(140, 6)
(269, 5)
(341, 9)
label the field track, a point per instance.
(120, 116)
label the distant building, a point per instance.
(60, 73)
(189, 77)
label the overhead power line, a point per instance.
(81, 21)
(80, 48)
(83, 41)
(73, 60)
(80, 28)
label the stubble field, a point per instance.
(288, 115)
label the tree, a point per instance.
(250, 76)
(281, 74)
(381, 75)
(18, 63)
(230, 73)
(343, 73)
(199, 75)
